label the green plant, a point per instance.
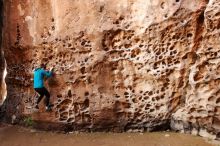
(28, 121)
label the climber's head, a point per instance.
(43, 65)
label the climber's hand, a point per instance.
(51, 69)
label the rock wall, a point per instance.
(119, 65)
(2, 60)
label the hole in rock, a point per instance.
(69, 93)
(162, 5)
(218, 101)
(86, 93)
(86, 103)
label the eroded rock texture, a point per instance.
(120, 65)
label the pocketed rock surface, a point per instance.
(128, 65)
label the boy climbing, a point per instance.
(39, 75)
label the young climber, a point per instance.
(39, 75)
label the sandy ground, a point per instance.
(19, 136)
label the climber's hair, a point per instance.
(43, 65)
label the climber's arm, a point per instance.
(47, 73)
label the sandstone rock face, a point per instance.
(119, 65)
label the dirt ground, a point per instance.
(20, 136)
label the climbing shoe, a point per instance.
(48, 108)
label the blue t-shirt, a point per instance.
(39, 75)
